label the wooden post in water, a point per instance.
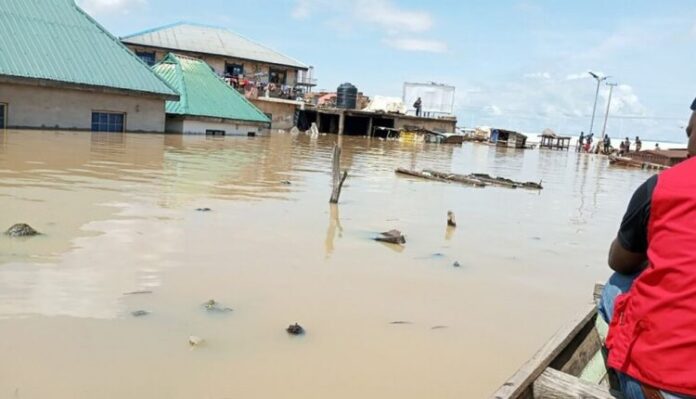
(336, 170)
(338, 179)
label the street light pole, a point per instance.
(594, 109)
(606, 115)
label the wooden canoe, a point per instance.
(570, 365)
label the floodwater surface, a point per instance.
(118, 215)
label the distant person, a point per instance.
(418, 105)
(650, 301)
(639, 144)
(622, 148)
(627, 145)
(581, 141)
(588, 142)
(657, 146)
(607, 144)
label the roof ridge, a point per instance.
(219, 28)
(119, 44)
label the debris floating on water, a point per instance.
(140, 313)
(451, 222)
(203, 209)
(286, 182)
(195, 341)
(400, 322)
(473, 179)
(456, 264)
(21, 230)
(138, 292)
(438, 327)
(213, 306)
(391, 237)
(295, 329)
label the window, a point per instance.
(277, 76)
(108, 122)
(212, 132)
(3, 115)
(234, 70)
(148, 57)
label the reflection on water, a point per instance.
(118, 215)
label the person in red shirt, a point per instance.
(650, 302)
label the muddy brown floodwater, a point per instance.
(118, 213)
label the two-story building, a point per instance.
(273, 81)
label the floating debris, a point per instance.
(439, 327)
(286, 182)
(213, 306)
(391, 237)
(203, 209)
(195, 341)
(456, 264)
(144, 292)
(21, 230)
(398, 322)
(451, 222)
(473, 179)
(140, 313)
(295, 329)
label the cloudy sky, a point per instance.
(520, 64)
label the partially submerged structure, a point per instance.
(552, 141)
(508, 138)
(650, 159)
(271, 80)
(208, 105)
(59, 69)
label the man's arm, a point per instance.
(628, 251)
(624, 261)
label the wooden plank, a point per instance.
(553, 384)
(518, 383)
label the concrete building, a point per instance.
(271, 80)
(208, 105)
(62, 70)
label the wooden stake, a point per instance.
(338, 179)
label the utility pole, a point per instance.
(594, 109)
(606, 115)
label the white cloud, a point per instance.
(387, 15)
(422, 45)
(493, 110)
(538, 75)
(302, 10)
(97, 7)
(389, 19)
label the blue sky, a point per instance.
(519, 64)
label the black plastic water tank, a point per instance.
(347, 96)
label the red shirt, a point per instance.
(652, 336)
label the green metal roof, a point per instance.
(203, 93)
(55, 40)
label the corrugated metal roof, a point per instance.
(203, 93)
(184, 36)
(55, 40)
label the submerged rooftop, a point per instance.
(55, 41)
(203, 93)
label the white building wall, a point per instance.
(59, 108)
(189, 126)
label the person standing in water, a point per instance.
(627, 145)
(650, 301)
(607, 144)
(639, 144)
(581, 141)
